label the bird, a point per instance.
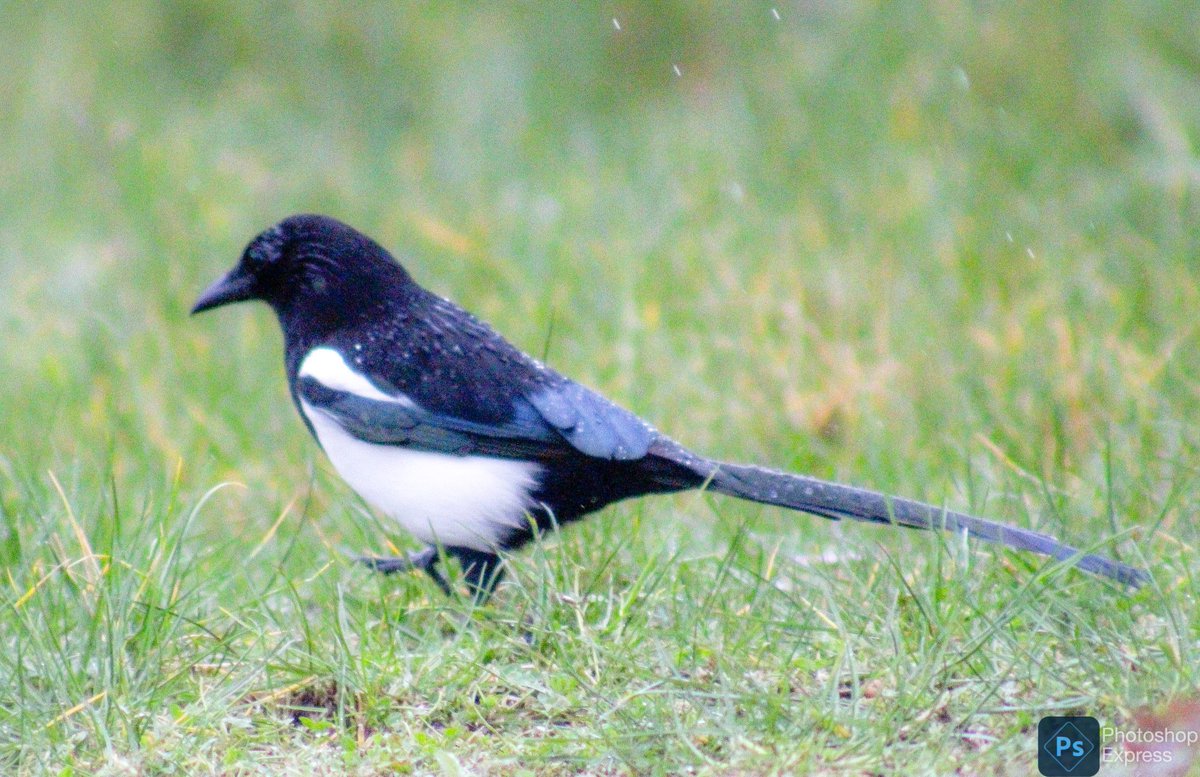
(474, 447)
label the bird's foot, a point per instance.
(481, 571)
(426, 561)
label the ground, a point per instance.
(947, 251)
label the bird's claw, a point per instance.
(425, 561)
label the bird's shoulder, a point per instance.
(444, 359)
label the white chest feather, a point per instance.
(468, 501)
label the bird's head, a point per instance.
(310, 268)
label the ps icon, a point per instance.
(1068, 746)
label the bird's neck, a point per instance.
(306, 327)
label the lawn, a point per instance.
(948, 251)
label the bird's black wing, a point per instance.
(400, 422)
(552, 421)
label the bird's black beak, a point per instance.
(235, 286)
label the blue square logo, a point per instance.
(1068, 746)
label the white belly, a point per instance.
(467, 501)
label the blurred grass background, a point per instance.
(945, 250)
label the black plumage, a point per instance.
(441, 382)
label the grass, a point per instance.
(947, 253)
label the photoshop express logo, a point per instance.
(1068, 746)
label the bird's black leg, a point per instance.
(481, 570)
(426, 561)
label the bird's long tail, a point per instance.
(835, 501)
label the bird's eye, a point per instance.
(314, 274)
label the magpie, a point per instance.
(473, 446)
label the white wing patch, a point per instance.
(327, 367)
(466, 501)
